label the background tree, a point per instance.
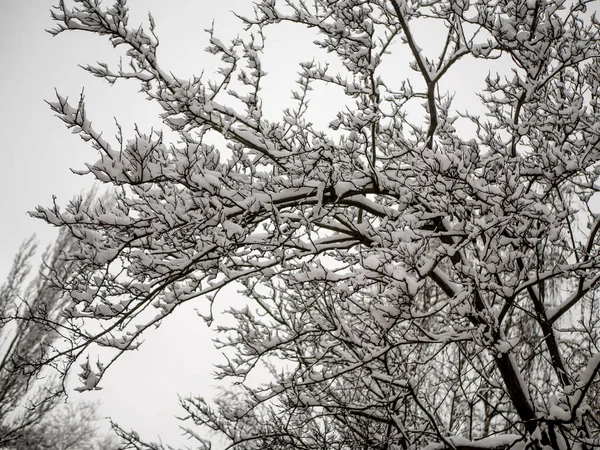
(68, 426)
(415, 282)
(31, 323)
(71, 426)
(29, 315)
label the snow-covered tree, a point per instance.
(421, 276)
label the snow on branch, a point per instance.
(411, 280)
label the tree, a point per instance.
(31, 324)
(70, 426)
(29, 318)
(413, 285)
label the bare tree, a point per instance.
(413, 286)
(68, 426)
(30, 321)
(75, 426)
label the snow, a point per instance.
(232, 230)
(372, 262)
(491, 442)
(362, 247)
(89, 378)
